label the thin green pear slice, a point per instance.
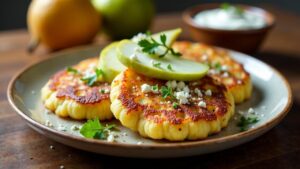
(168, 68)
(109, 62)
(171, 35)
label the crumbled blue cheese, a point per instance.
(198, 92)
(251, 110)
(208, 92)
(172, 84)
(224, 68)
(182, 97)
(146, 88)
(106, 91)
(62, 128)
(139, 37)
(139, 143)
(48, 123)
(202, 104)
(74, 127)
(186, 89)
(111, 137)
(180, 85)
(225, 74)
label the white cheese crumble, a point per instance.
(202, 104)
(172, 84)
(111, 138)
(146, 88)
(51, 147)
(139, 37)
(139, 143)
(182, 97)
(225, 74)
(224, 68)
(48, 123)
(198, 92)
(106, 91)
(61, 167)
(74, 127)
(208, 92)
(62, 128)
(180, 85)
(251, 110)
(186, 89)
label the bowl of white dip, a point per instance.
(239, 27)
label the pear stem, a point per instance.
(33, 44)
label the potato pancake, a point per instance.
(170, 110)
(222, 67)
(67, 95)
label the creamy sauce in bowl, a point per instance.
(231, 18)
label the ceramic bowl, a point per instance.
(246, 41)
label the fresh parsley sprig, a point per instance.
(94, 129)
(166, 91)
(236, 9)
(72, 70)
(245, 122)
(150, 46)
(90, 80)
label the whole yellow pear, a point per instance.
(62, 23)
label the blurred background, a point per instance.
(13, 12)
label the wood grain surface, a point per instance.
(21, 147)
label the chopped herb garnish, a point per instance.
(175, 105)
(218, 66)
(94, 129)
(155, 88)
(157, 65)
(170, 67)
(90, 80)
(236, 9)
(166, 91)
(102, 91)
(72, 70)
(151, 45)
(246, 121)
(225, 6)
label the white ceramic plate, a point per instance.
(271, 99)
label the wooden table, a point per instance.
(21, 147)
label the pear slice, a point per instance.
(109, 62)
(171, 35)
(168, 68)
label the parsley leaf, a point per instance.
(246, 121)
(175, 105)
(170, 67)
(151, 45)
(155, 88)
(166, 91)
(90, 80)
(94, 129)
(157, 65)
(72, 70)
(236, 9)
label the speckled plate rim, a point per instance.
(260, 129)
